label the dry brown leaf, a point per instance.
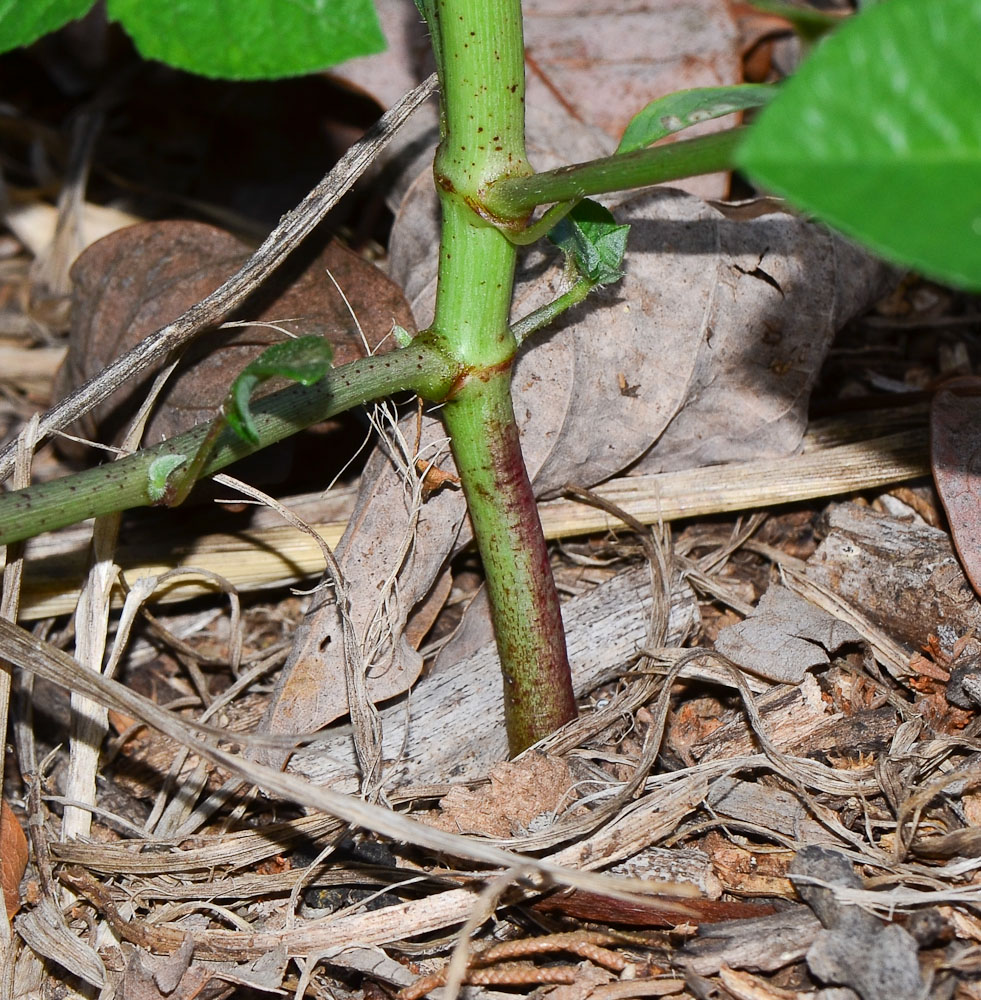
(310, 690)
(954, 451)
(601, 66)
(597, 908)
(13, 858)
(140, 278)
(722, 321)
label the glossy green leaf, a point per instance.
(593, 240)
(678, 111)
(25, 21)
(250, 39)
(879, 134)
(305, 360)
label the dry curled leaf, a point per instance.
(13, 858)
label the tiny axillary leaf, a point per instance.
(593, 240)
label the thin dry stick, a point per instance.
(9, 606)
(280, 556)
(89, 719)
(292, 229)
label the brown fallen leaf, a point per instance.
(602, 65)
(722, 319)
(597, 908)
(13, 858)
(140, 278)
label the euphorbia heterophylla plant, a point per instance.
(913, 127)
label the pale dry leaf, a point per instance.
(785, 637)
(705, 352)
(602, 65)
(956, 467)
(782, 289)
(310, 690)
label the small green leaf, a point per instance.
(250, 39)
(593, 240)
(677, 111)
(879, 134)
(402, 336)
(25, 21)
(159, 472)
(305, 360)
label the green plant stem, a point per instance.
(538, 695)
(512, 196)
(482, 74)
(545, 314)
(420, 367)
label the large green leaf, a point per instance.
(25, 21)
(879, 134)
(250, 39)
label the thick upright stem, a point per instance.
(482, 73)
(538, 696)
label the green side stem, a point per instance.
(513, 196)
(546, 314)
(122, 484)
(482, 73)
